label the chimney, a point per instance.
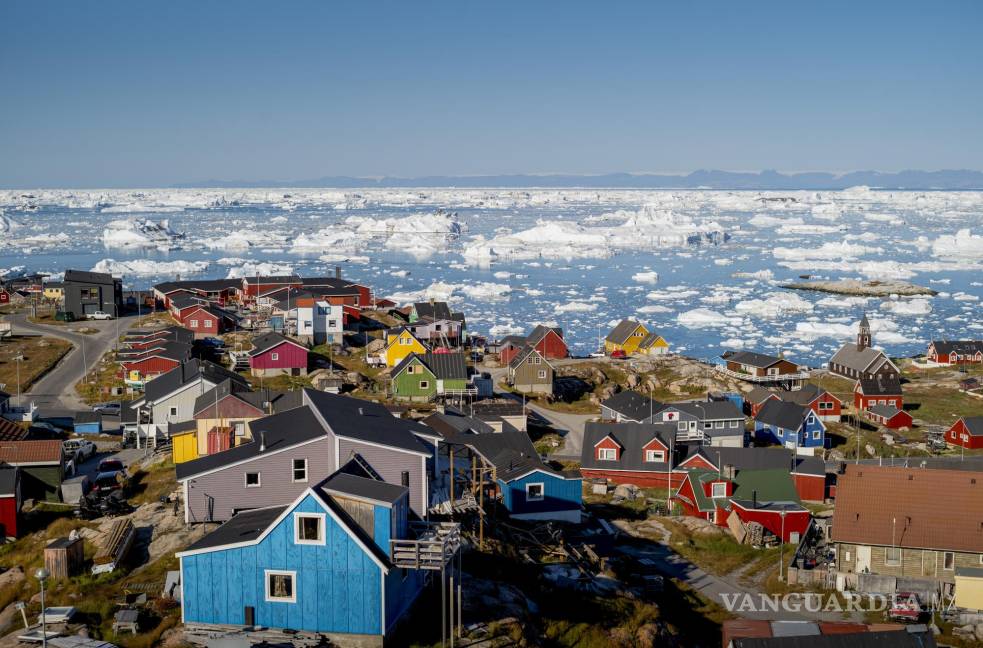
(754, 499)
(262, 441)
(337, 272)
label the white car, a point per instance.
(99, 315)
(80, 449)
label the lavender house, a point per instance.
(292, 450)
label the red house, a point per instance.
(879, 390)
(253, 286)
(889, 416)
(205, 321)
(826, 406)
(509, 347)
(4, 296)
(967, 432)
(156, 360)
(790, 527)
(274, 354)
(949, 352)
(10, 502)
(548, 341)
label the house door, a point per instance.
(863, 560)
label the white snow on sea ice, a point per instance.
(265, 269)
(144, 268)
(575, 307)
(134, 233)
(706, 318)
(961, 245)
(646, 277)
(917, 306)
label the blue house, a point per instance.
(342, 559)
(789, 424)
(87, 423)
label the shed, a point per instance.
(969, 588)
(64, 557)
(88, 423)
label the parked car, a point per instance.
(597, 354)
(907, 608)
(618, 354)
(215, 343)
(107, 482)
(107, 408)
(74, 489)
(79, 448)
(99, 315)
(111, 465)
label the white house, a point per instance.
(320, 323)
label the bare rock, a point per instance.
(11, 576)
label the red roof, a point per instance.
(26, 452)
(10, 431)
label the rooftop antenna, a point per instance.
(262, 441)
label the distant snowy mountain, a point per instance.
(706, 179)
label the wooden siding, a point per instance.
(552, 346)
(225, 490)
(184, 447)
(526, 378)
(559, 494)
(390, 465)
(915, 563)
(955, 435)
(407, 385)
(42, 482)
(289, 356)
(337, 587)
(9, 512)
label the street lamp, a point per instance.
(781, 549)
(19, 359)
(41, 574)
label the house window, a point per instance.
(948, 560)
(892, 402)
(535, 492)
(404, 478)
(892, 556)
(252, 480)
(194, 323)
(332, 324)
(207, 323)
(733, 424)
(300, 470)
(274, 356)
(542, 373)
(411, 369)
(655, 456)
(240, 428)
(816, 434)
(280, 586)
(424, 384)
(681, 425)
(709, 426)
(718, 489)
(719, 425)
(607, 454)
(309, 528)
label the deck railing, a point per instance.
(740, 375)
(432, 547)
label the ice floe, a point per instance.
(142, 268)
(137, 233)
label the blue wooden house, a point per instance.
(87, 423)
(789, 424)
(340, 560)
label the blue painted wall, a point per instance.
(805, 433)
(338, 586)
(88, 428)
(560, 494)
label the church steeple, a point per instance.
(863, 335)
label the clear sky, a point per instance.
(134, 93)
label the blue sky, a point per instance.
(152, 93)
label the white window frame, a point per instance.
(734, 424)
(293, 586)
(323, 530)
(542, 490)
(424, 384)
(193, 323)
(542, 373)
(172, 411)
(952, 564)
(274, 356)
(719, 425)
(259, 479)
(206, 323)
(890, 562)
(293, 470)
(607, 454)
(681, 426)
(816, 435)
(713, 489)
(655, 456)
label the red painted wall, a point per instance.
(953, 436)
(811, 488)
(639, 478)
(795, 521)
(552, 346)
(836, 410)
(8, 517)
(290, 356)
(505, 355)
(4, 297)
(861, 401)
(201, 317)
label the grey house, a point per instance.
(294, 449)
(717, 423)
(88, 292)
(529, 372)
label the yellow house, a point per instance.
(400, 343)
(54, 290)
(969, 588)
(653, 344)
(626, 336)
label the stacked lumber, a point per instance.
(115, 547)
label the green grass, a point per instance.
(148, 485)
(718, 554)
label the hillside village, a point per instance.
(297, 460)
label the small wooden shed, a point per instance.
(63, 557)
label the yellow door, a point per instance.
(184, 447)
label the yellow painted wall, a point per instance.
(204, 425)
(631, 344)
(969, 592)
(658, 347)
(401, 346)
(184, 447)
(54, 293)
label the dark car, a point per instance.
(107, 482)
(111, 465)
(214, 343)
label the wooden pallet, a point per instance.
(117, 545)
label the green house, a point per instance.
(425, 377)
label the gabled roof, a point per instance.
(444, 366)
(632, 405)
(974, 425)
(169, 349)
(960, 347)
(517, 341)
(366, 421)
(30, 452)
(885, 411)
(394, 333)
(752, 359)
(760, 459)
(909, 507)
(277, 279)
(363, 487)
(267, 341)
(524, 354)
(880, 386)
(788, 416)
(649, 340)
(269, 434)
(858, 360)
(433, 309)
(759, 394)
(10, 431)
(279, 401)
(448, 424)
(620, 333)
(511, 453)
(187, 373)
(541, 331)
(243, 527)
(707, 410)
(632, 437)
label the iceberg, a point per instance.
(145, 268)
(133, 233)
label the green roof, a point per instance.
(774, 485)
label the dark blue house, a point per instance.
(789, 424)
(342, 559)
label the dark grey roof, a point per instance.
(541, 331)
(804, 396)
(960, 347)
(170, 349)
(434, 310)
(267, 341)
(632, 437)
(707, 410)
(886, 411)
(759, 394)
(183, 426)
(8, 479)
(771, 458)
(277, 279)
(188, 372)
(857, 359)
(511, 453)
(788, 416)
(87, 417)
(452, 423)
(243, 527)
(344, 483)
(886, 639)
(632, 405)
(81, 276)
(271, 433)
(524, 354)
(366, 421)
(620, 333)
(279, 401)
(127, 413)
(496, 408)
(514, 340)
(444, 366)
(752, 359)
(974, 425)
(880, 385)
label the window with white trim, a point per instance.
(718, 489)
(719, 425)
(817, 434)
(253, 480)
(240, 428)
(892, 555)
(734, 424)
(173, 411)
(656, 456)
(281, 586)
(948, 561)
(681, 425)
(542, 373)
(207, 323)
(535, 492)
(309, 528)
(194, 324)
(607, 454)
(300, 470)
(274, 356)
(424, 384)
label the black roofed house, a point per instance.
(432, 309)
(630, 453)
(826, 406)
(762, 369)
(860, 360)
(273, 354)
(967, 432)
(428, 376)
(631, 407)
(627, 336)
(208, 320)
(89, 292)
(714, 422)
(950, 352)
(889, 416)
(298, 447)
(794, 426)
(530, 373)
(508, 346)
(879, 389)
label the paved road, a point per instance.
(54, 394)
